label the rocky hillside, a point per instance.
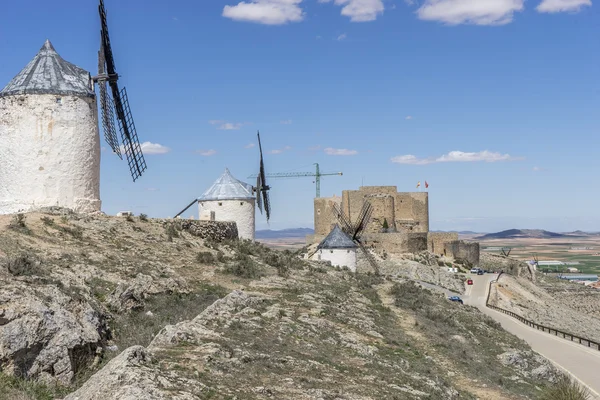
(570, 307)
(97, 307)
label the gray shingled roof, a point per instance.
(48, 73)
(228, 188)
(337, 239)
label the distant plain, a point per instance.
(549, 249)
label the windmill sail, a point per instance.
(264, 188)
(355, 230)
(119, 105)
(108, 120)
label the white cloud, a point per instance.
(267, 12)
(279, 151)
(339, 152)
(286, 122)
(206, 153)
(151, 148)
(477, 12)
(226, 126)
(342, 37)
(410, 159)
(455, 156)
(554, 6)
(359, 10)
(408, 117)
(249, 146)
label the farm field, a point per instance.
(567, 249)
(293, 243)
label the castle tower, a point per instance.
(230, 200)
(49, 141)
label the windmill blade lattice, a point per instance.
(258, 194)
(117, 106)
(363, 219)
(108, 120)
(369, 257)
(341, 218)
(131, 143)
(262, 186)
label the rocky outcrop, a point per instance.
(129, 376)
(497, 263)
(428, 272)
(45, 333)
(130, 295)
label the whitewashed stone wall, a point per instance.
(49, 153)
(338, 257)
(242, 212)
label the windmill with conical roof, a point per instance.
(49, 136)
(230, 199)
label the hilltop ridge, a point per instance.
(149, 309)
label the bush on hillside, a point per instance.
(565, 389)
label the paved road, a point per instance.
(580, 361)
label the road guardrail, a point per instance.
(557, 332)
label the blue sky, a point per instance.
(495, 103)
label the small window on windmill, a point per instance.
(59, 100)
(220, 204)
(331, 251)
(241, 203)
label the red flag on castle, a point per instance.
(426, 185)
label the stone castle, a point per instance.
(399, 222)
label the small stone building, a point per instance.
(49, 139)
(230, 199)
(337, 248)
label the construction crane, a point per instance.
(317, 174)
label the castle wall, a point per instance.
(463, 251)
(242, 212)
(324, 216)
(396, 242)
(49, 153)
(383, 210)
(437, 240)
(420, 210)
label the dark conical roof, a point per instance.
(48, 73)
(337, 239)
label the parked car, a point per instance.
(470, 282)
(455, 298)
(474, 270)
(480, 272)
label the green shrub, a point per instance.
(565, 389)
(143, 217)
(18, 223)
(47, 221)
(22, 265)
(409, 295)
(243, 266)
(76, 232)
(171, 231)
(129, 218)
(205, 257)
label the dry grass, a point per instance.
(565, 389)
